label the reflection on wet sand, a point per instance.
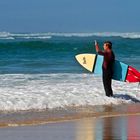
(109, 128)
(85, 129)
(133, 128)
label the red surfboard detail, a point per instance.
(132, 75)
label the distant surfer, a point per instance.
(107, 66)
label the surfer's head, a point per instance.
(107, 45)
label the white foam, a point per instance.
(37, 37)
(132, 35)
(7, 35)
(41, 91)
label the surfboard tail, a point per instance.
(132, 75)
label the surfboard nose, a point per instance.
(86, 60)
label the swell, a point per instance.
(58, 55)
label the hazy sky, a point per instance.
(70, 15)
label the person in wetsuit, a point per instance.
(107, 66)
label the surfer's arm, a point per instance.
(98, 49)
(97, 46)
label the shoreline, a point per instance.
(120, 127)
(31, 118)
(63, 120)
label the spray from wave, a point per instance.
(49, 35)
(50, 91)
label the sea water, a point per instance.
(39, 71)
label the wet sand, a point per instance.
(108, 128)
(82, 123)
(34, 117)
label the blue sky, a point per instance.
(69, 15)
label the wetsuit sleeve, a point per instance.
(101, 53)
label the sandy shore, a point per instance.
(82, 123)
(108, 128)
(34, 117)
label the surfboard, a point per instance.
(122, 71)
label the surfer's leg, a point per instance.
(107, 84)
(109, 87)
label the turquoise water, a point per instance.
(39, 71)
(37, 54)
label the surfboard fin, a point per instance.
(138, 84)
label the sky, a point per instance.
(69, 16)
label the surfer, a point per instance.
(107, 66)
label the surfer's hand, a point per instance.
(95, 42)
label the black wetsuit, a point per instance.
(107, 67)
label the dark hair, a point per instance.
(109, 44)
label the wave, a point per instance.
(132, 35)
(12, 36)
(51, 91)
(49, 35)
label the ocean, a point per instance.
(38, 71)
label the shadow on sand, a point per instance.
(126, 97)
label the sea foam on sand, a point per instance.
(50, 91)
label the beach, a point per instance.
(112, 123)
(46, 94)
